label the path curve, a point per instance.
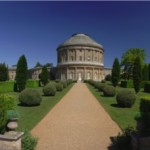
(77, 122)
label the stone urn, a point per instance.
(12, 120)
(12, 124)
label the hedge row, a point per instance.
(124, 98)
(52, 87)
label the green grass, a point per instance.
(30, 116)
(124, 117)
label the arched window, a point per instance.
(80, 58)
(95, 76)
(71, 75)
(88, 76)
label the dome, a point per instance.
(81, 39)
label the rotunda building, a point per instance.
(80, 58)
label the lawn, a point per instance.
(30, 116)
(124, 117)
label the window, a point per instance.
(89, 58)
(71, 58)
(80, 58)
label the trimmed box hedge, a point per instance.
(147, 87)
(7, 86)
(32, 83)
(127, 83)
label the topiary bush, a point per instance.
(28, 141)
(127, 83)
(64, 83)
(147, 87)
(101, 86)
(143, 117)
(109, 91)
(59, 86)
(126, 98)
(49, 89)
(30, 97)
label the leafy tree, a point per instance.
(128, 59)
(3, 72)
(145, 73)
(44, 75)
(38, 64)
(137, 74)
(21, 73)
(115, 72)
(49, 64)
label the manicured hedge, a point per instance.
(125, 98)
(147, 87)
(127, 83)
(32, 83)
(145, 104)
(30, 97)
(7, 86)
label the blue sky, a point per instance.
(35, 29)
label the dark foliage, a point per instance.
(137, 74)
(21, 73)
(44, 75)
(3, 72)
(125, 98)
(115, 72)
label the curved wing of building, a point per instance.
(80, 58)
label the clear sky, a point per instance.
(36, 29)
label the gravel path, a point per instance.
(77, 122)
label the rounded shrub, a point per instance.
(64, 83)
(109, 90)
(59, 86)
(126, 98)
(49, 89)
(101, 86)
(30, 97)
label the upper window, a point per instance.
(89, 58)
(80, 58)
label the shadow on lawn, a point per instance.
(115, 105)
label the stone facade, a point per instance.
(80, 58)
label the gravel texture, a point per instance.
(77, 122)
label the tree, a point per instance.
(137, 74)
(44, 75)
(128, 59)
(49, 64)
(115, 72)
(149, 71)
(145, 73)
(21, 73)
(3, 72)
(38, 64)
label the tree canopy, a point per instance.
(128, 59)
(44, 75)
(3, 72)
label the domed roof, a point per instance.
(81, 39)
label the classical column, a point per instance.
(75, 75)
(84, 73)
